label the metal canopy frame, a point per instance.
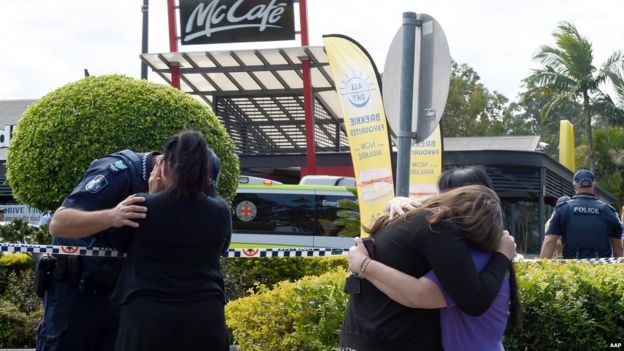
(258, 95)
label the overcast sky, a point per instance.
(46, 44)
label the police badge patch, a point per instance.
(96, 184)
(118, 166)
(121, 164)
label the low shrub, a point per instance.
(16, 330)
(246, 274)
(569, 306)
(566, 306)
(20, 312)
(19, 231)
(302, 315)
(16, 261)
(21, 292)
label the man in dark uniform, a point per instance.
(78, 314)
(588, 227)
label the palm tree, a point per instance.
(568, 74)
(617, 79)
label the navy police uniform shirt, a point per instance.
(107, 182)
(586, 225)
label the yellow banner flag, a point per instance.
(426, 166)
(356, 81)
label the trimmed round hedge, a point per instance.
(58, 136)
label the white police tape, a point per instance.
(60, 250)
(589, 260)
(285, 252)
(231, 253)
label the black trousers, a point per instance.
(76, 320)
(150, 323)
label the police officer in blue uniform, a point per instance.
(588, 227)
(78, 314)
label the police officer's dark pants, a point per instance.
(75, 320)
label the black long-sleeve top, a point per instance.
(373, 321)
(175, 251)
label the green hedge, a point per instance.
(569, 306)
(20, 312)
(302, 315)
(62, 133)
(243, 275)
(566, 306)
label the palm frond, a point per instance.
(575, 51)
(557, 100)
(603, 105)
(548, 77)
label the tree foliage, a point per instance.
(568, 75)
(527, 119)
(58, 136)
(471, 109)
(609, 147)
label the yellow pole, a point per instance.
(566, 145)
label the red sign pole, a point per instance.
(173, 43)
(308, 96)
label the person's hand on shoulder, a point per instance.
(399, 205)
(127, 211)
(507, 245)
(357, 254)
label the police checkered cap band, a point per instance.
(584, 178)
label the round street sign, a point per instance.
(434, 76)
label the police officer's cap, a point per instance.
(584, 178)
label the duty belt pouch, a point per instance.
(67, 269)
(44, 274)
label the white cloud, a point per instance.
(48, 43)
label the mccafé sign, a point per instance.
(5, 136)
(226, 21)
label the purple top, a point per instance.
(461, 331)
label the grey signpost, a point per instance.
(415, 82)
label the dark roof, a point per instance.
(11, 110)
(503, 143)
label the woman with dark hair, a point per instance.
(433, 237)
(452, 178)
(462, 176)
(171, 288)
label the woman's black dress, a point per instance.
(171, 288)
